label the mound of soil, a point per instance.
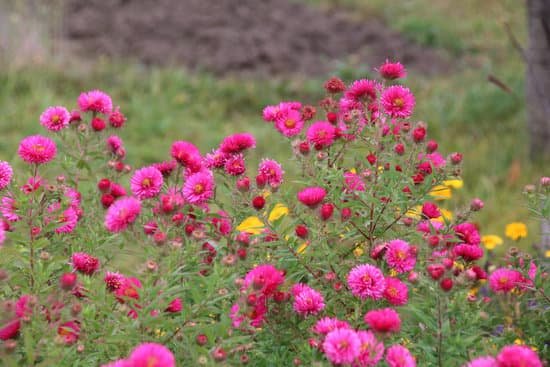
(238, 36)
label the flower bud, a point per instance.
(476, 205)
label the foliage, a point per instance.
(253, 263)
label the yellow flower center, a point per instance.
(147, 182)
(198, 189)
(152, 361)
(290, 123)
(398, 102)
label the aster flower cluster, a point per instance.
(339, 267)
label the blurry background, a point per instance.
(200, 69)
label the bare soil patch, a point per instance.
(260, 37)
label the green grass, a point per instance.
(464, 112)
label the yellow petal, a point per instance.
(414, 212)
(455, 183)
(278, 211)
(441, 192)
(252, 225)
(358, 251)
(516, 230)
(446, 216)
(491, 241)
(302, 247)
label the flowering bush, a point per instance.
(202, 259)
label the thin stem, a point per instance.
(439, 332)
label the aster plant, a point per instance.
(202, 259)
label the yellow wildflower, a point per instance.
(414, 212)
(302, 247)
(358, 251)
(491, 241)
(277, 212)
(516, 230)
(441, 192)
(518, 341)
(252, 225)
(547, 254)
(456, 183)
(446, 216)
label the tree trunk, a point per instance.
(538, 79)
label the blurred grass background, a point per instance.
(464, 111)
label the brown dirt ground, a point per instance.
(259, 37)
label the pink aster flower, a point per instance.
(392, 70)
(237, 143)
(468, 233)
(175, 306)
(186, 154)
(95, 101)
(272, 171)
(362, 91)
(366, 281)
(55, 118)
(312, 196)
(37, 149)
(383, 320)
(8, 208)
(269, 113)
(122, 213)
(113, 280)
(2, 235)
(264, 278)
(482, 362)
(117, 118)
(518, 356)
(69, 332)
(236, 317)
(199, 187)
(328, 324)
(151, 355)
(114, 144)
(308, 301)
(399, 256)
(10, 329)
(430, 210)
(67, 221)
(353, 182)
(6, 174)
(215, 159)
(396, 292)
(146, 183)
(468, 252)
(503, 280)
(371, 350)
(235, 165)
(398, 101)
(435, 158)
(84, 263)
(342, 346)
(166, 168)
(222, 223)
(429, 226)
(289, 122)
(321, 134)
(129, 288)
(399, 356)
